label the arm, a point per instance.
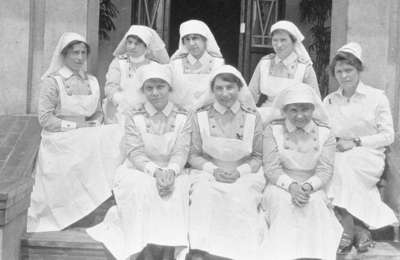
(253, 163)
(310, 78)
(324, 167)
(254, 85)
(197, 159)
(384, 125)
(98, 115)
(271, 162)
(134, 147)
(113, 80)
(181, 149)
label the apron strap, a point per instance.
(180, 121)
(277, 131)
(204, 125)
(323, 135)
(248, 131)
(139, 123)
(300, 71)
(60, 84)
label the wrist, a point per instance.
(292, 186)
(307, 187)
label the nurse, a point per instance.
(197, 56)
(77, 157)
(362, 123)
(151, 188)
(290, 64)
(226, 175)
(298, 159)
(140, 46)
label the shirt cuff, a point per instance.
(209, 167)
(284, 181)
(67, 125)
(150, 168)
(244, 169)
(117, 97)
(175, 167)
(315, 182)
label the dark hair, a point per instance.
(201, 36)
(227, 77)
(282, 30)
(137, 38)
(347, 58)
(285, 108)
(156, 81)
(71, 44)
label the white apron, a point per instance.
(74, 168)
(271, 86)
(224, 218)
(309, 232)
(141, 216)
(357, 171)
(129, 84)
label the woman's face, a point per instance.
(195, 44)
(282, 43)
(346, 75)
(156, 92)
(299, 114)
(76, 56)
(135, 47)
(225, 92)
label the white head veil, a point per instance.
(245, 96)
(57, 60)
(352, 48)
(299, 93)
(293, 30)
(196, 27)
(155, 45)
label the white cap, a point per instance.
(352, 48)
(154, 71)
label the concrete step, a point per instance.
(382, 251)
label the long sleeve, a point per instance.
(48, 102)
(197, 159)
(253, 163)
(384, 126)
(325, 164)
(113, 79)
(254, 85)
(272, 163)
(310, 78)
(181, 148)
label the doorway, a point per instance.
(222, 16)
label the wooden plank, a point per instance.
(8, 214)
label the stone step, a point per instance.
(381, 251)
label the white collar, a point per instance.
(288, 60)
(222, 109)
(307, 128)
(203, 59)
(137, 59)
(360, 89)
(152, 110)
(67, 73)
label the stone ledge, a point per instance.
(381, 251)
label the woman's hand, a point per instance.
(222, 175)
(344, 145)
(165, 180)
(299, 197)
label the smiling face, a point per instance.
(76, 56)
(135, 47)
(195, 44)
(156, 92)
(299, 114)
(282, 43)
(347, 75)
(225, 92)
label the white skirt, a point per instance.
(308, 232)
(74, 174)
(353, 186)
(142, 217)
(224, 218)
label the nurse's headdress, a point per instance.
(245, 96)
(299, 93)
(296, 33)
(155, 45)
(353, 48)
(196, 27)
(57, 60)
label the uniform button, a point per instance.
(286, 147)
(241, 126)
(315, 139)
(315, 148)
(213, 126)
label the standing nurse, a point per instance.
(290, 64)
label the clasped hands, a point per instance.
(345, 144)
(226, 176)
(165, 180)
(300, 193)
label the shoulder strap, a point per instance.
(248, 131)
(300, 71)
(140, 123)
(204, 125)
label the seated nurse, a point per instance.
(362, 123)
(151, 188)
(77, 157)
(298, 158)
(226, 175)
